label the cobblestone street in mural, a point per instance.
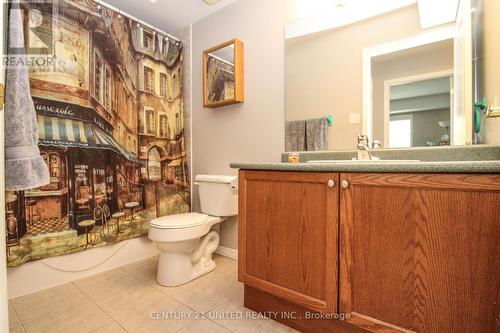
(110, 112)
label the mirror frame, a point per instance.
(239, 96)
(461, 121)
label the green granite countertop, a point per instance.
(451, 159)
(441, 167)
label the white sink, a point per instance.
(363, 161)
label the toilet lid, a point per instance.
(179, 221)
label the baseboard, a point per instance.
(227, 252)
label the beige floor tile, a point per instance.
(18, 329)
(144, 269)
(118, 293)
(83, 319)
(204, 326)
(239, 319)
(110, 328)
(131, 296)
(204, 293)
(163, 316)
(49, 301)
(226, 265)
(101, 283)
(13, 318)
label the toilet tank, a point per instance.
(218, 194)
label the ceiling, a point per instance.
(169, 15)
(444, 46)
(421, 88)
(321, 15)
(330, 14)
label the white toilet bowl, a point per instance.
(185, 240)
(186, 246)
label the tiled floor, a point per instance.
(128, 299)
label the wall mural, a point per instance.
(110, 114)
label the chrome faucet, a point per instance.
(376, 144)
(364, 148)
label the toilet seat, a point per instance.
(179, 221)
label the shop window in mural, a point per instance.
(107, 88)
(163, 85)
(98, 66)
(99, 186)
(122, 184)
(150, 122)
(55, 167)
(165, 45)
(163, 125)
(103, 82)
(148, 80)
(148, 40)
(106, 141)
(82, 187)
(154, 165)
(110, 182)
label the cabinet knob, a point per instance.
(331, 183)
(344, 184)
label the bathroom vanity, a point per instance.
(400, 247)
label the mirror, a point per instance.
(418, 111)
(412, 96)
(223, 74)
(393, 72)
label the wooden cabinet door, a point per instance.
(288, 245)
(420, 252)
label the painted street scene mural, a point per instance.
(110, 114)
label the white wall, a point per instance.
(252, 131)
(492, 67)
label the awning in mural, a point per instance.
(54, 131)
(106, 141)
(62, 132)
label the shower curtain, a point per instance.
(108, 95)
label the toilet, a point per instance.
(186, 241)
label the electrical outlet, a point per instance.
(354, 118)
